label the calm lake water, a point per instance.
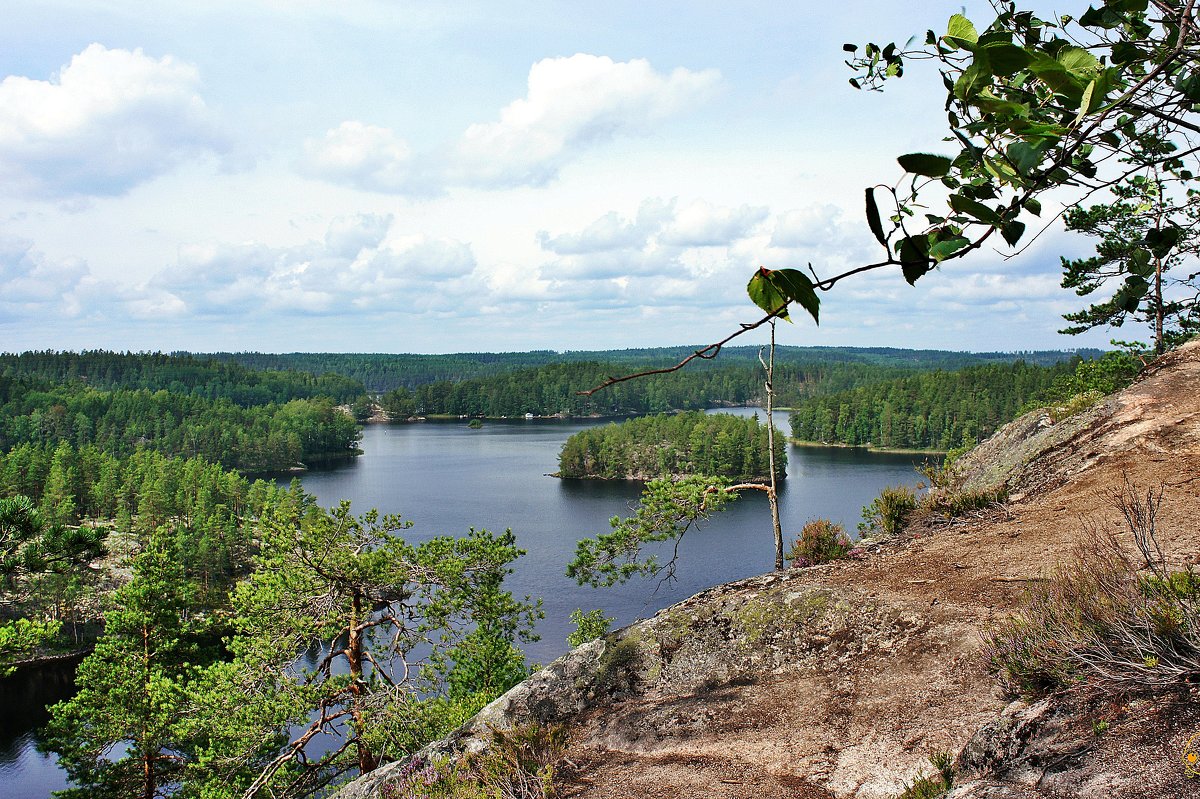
(446, 478)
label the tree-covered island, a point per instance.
(689, 443)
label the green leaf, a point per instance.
(1139, 263)
(1162, 240)
(1189, 86)
(992, 37)
(1126, 53)
(1056, 76)
(849, 48)
(1086, 102)
(915, 270)
(944, 249)
(1001, 170)
(991, 104)
(1007, 59)
(1130, 295)
(927, 164)
(766, 294)
(914, 258)
(975, 77)
(1101, 17)
(1033, 206)
(796, 286)
(1078, 62)
(1025, 157)
(1012, 232)
(873, 220)
(961, 32)
(965, 205)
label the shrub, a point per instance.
(518, 764)
(1101, 620)
(949, 504)
(820, 542)
(944, 474)
(933, 785)
(419, 779)
(888, 513)
(588, 626)
(1091, 381)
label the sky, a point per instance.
(385, 176)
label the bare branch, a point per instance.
(706, 353)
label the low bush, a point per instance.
(946, 505)
(944, 474)
(588, 626)
(519, 764)
(820, 541)
(888, 513)
(1091, 381)
(931, 786)
(1112, 618)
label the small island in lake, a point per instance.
(670, 445)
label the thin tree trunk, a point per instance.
(1159, 346)
(149, 778)
(354, 656)
(772, 495)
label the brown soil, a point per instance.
(861, 726)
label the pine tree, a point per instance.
(132, 690)
(1144, 237)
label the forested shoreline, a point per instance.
(934, 411)
(554, 389)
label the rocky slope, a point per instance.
(841, 680)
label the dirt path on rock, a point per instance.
(856, 729)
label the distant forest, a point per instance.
(196, 376)
(258, 413)
(226, 413)
(381, 372)
(554, 388)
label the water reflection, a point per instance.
(26, 773)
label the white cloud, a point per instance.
(612, 231)
(33, 286)
(814, 226)
(664, 238)
(609, 232)
(110, 119)
(572, 104)
(349, 235)
(366, 157)
(989, 289)
(359, 265)
(700, 224)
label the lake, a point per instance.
(446, 478)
